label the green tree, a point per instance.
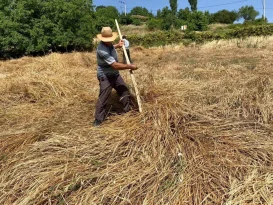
(198, 21)
(164, 12)
(167, 17)
(158, 13)
(140, 11)
(168, 21)
(248, 13)
(184, 14)
(126, 20)
(107, 11)
(224, 16)
(154, 23)
(193, 4)
(173, 5)
(105, 16)
(35, 26)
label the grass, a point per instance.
(204, 137)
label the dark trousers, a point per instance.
(128, 54)
(106, 85)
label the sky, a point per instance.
(203, 5)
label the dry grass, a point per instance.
(134, 30)
(265, 42)
(216, 26)
(205, 136)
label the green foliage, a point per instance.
(164, 12)
(136, 22)
(35, 26)
(107, 12)
(224, 16)
(154, 24)
(184, 14)
(237, 32)
(126, 20)
(102, 22)
(261, 21)
(162, 38)
(198, 21)
(173, 5)
(248, 13)
(105, 16)
(168, 21)
(193, 4)
(140, 11)
(157, 38)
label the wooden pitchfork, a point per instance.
(131, 71)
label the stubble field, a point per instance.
(205, 135)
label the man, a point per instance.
(127, 47)
(108, 73)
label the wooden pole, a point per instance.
(131, 71)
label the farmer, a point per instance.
(108, 73)
(127, 47)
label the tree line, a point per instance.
(36, 27)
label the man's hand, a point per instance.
(134, 67)
(120, 44)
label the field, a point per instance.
(205, 135)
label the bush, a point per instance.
(154, 24)
(198, 21)
(126, 20)
(169, 37)
(136, 22)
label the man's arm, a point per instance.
(121, 66)
(119, 44)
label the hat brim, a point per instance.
(108, 39)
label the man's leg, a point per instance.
(123, 92)
(123, 58)
(105, 91)
(129, 56)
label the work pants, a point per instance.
(106, 85)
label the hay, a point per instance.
(205, 136)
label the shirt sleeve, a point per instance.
(106, 57)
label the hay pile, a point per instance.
(205, 136)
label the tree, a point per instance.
(184, 14)
(248, 13)
(140, 11)
(126, 20)
(168, 21)
(164, 12)
(198, 21)
(105, 16)
(193, 4)
(154, 23)
(35, 26)
(173, 5)
(224, 16)
(167, 17)
(110, 12)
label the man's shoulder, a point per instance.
(101, 46)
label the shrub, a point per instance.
(154, 24)
(136, 22)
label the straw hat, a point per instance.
(107, 35)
